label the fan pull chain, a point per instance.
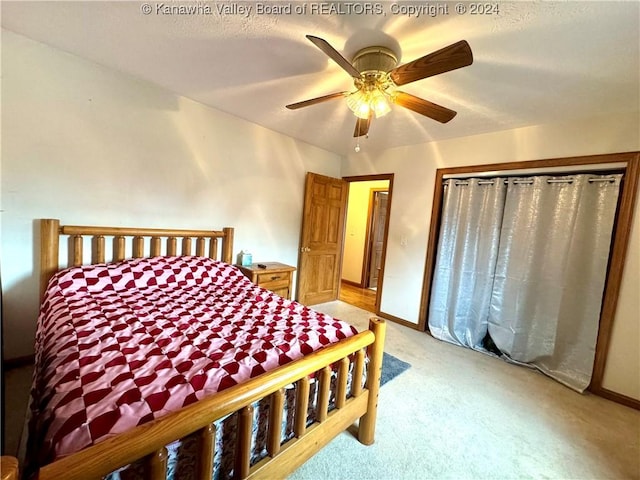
(357, 147)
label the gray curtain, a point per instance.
(525, 263)
(550, 273)
(467, 253)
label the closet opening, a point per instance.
(558, 172)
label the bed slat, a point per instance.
(341, 388)
(243, 452)
(97, 250)
(302, 406)
(207, 452)
(186, 246)
(75, 259)
(157, 465)
(213, 248)
(323, 395)
(118, 248)
(358, 369)
(138, 246)
(156, 246)
(172, 246)
(200, 247)
(275, 422)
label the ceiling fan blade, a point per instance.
(424, 107)
(449, 58)
(334, 55)
(362, 126)
(313, 101)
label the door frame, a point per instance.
(369, 178)
(629, 163)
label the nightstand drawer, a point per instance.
(273, 286)
(273, 278)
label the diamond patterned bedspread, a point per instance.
(121, 344)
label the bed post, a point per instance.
(367, 427)
(9, 468)
(227, 245)
(49, 251)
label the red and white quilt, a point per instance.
(121, 344)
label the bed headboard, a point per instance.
(206, 244)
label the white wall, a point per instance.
(89, 145)
(414, 174)
(356, 227)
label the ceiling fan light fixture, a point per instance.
(374, 94)
(379, 103)
(359, 103)
(362, 104)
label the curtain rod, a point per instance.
(529, 182)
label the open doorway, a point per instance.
(366, 227)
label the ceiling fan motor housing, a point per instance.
(375, 60)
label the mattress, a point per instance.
(118, 345)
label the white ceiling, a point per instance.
(534, 62)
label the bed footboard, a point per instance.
(148, 441)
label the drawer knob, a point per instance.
(275, 277)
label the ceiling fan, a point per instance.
(376, 77)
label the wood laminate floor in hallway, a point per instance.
(364, 298)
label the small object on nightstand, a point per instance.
(245, 258)
(273, 276)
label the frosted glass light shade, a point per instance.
(358, 102)
(379, 103)
(362, 103)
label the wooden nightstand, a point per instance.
(277, 277)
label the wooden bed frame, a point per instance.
(148, 441)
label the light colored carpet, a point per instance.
(460, 414)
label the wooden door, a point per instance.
(378, 219)
(325, 202)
